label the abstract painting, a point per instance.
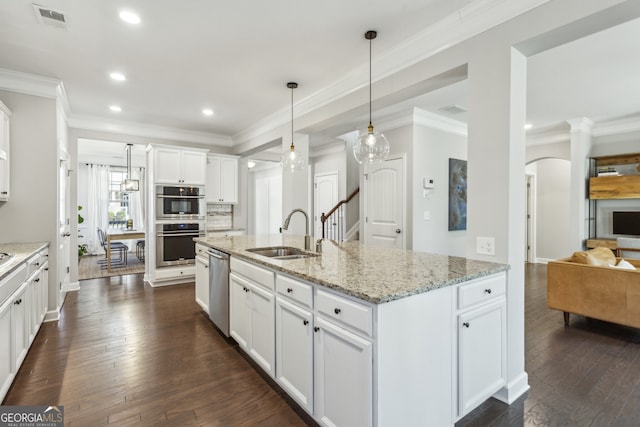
(457, 194)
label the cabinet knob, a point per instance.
(37, 280)
(46, 269)
(465, 324)
(305, 322)
(17, 302)
(337, 311)
(37, 264)
(245, 289)
(398, 231)
(4, 192)
(289, 290)
(316, 329)
(487, 291)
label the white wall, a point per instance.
(31, 214)
(552, 186)
(432, 150)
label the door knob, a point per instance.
(398, 231)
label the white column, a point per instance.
(296, 186)
(580, 143)
(496, 174)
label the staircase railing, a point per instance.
(333, 222)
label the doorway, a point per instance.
(325, 198)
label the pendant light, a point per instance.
(372, 146)
(130, 184)
(291, 159)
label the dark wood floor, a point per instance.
(124, 353)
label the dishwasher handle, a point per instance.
(217, 256)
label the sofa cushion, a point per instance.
(623, 265)
(599, 257)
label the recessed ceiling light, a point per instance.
(130, 17)
(207, 112)
(528, 126)
(118, 76)
(115, 108)
(251, 164)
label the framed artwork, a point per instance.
(457, 194)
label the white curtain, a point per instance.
(98, 205)
(136, 200)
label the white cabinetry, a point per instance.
(23, 305)
(252, 312)
(202, 277)
(481, 341)
(180, 167)
(5, 113)
(222, 180)
(294, 339)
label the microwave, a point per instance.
(180, 202)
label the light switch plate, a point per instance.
(486, 245)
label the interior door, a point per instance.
(384, 204)
(64, 239)
(268, 201)
(325, 198)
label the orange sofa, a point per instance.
(596, 291)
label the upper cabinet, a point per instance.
(181, 167)
(5, 113)
(610, 183)
(222, 180)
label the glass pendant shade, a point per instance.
(292, 160)
(371, 147)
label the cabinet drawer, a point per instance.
(11, 283)
(351, 313)
(172, 273)
(302, 293)
(481, 291)
(259, 275)
(201, 250)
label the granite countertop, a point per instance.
(21, 252)
(373, 274)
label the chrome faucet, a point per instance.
(307, 237)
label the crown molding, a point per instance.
(30, 84)
(144, 130)
(326, 149)
(473, 19)
(617, 126)
(439, 122)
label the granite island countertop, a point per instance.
(21, 252)
(371, 273)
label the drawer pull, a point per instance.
(337, 311)
(289, 290)
(305, 322)
(245, 289)
(465, 324)
(17, 302)
(487, 291)
(37, 280)
(316, 329)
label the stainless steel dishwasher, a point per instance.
(219, 289)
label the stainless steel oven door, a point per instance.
(175, 245)
(180, 203)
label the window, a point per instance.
(118, 201)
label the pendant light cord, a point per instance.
(292, 146)
(370, 83)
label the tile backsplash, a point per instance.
(219, 216)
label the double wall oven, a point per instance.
(180, 215)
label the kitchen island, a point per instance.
(362, 335)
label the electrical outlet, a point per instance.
(486, 245)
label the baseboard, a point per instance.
(52, 316)
(179, 281)
(514, 389)
(543, 260)
(74, 286)
(352, 234)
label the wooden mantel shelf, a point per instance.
(614, 187)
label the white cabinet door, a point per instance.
(229, 180)
(193, 165)
(343, 376)
(19, 326)
(4, 152)
(481, 354)
(6, 348)
(239, 310)
(167, 165)
(294, 352)
(262, 347)
(202, 283)
(222, 180)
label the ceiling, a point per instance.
(235, 57)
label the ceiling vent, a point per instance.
(453, 109)
(48, 16)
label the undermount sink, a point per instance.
(282, 252)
